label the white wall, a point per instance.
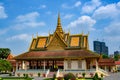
(65, 64)
(83, 64)
(74, 64)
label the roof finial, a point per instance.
(37, 34)
(49, 32)
(59, 21)
(32, 36)
(69, 30)
(88, 32)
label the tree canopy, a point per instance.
(5, 65)
(104, 56)
(4, 52)
(116, 57)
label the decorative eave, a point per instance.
(57, 54)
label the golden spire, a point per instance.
(59, 21)
(59, 27)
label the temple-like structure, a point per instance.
(58, 50)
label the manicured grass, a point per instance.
(15, 78)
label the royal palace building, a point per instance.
(58, 51)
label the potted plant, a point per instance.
(83, 74)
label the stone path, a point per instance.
(38, 78)
(113, 76)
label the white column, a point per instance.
(96, 65)
(23, 64)
(16, 65)
(105, 68)
(84, 65)
(44, 65)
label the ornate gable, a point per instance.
(56, 43)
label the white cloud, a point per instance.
(3, 31)
(23, 37)
(113, 29)
(27, 21)
(2, 13)
(28, 17)
(86, 23)
(109, 11)
(42, 6)
(90, 6)
(68, 16)
(76, 4)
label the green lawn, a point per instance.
(15, 78)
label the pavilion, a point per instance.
(60, 50)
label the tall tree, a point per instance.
(5, 65)
(4, 52)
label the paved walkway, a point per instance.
(113, 76)
(38, 78)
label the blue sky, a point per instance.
(20, 19)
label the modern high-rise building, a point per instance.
(117, 53)
(100, 47)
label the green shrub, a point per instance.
(95, 77)
(101, 75)
(54, 76)
(39, 74)
(83, 74)
(69, 76)
(10, 74)
(24, 74)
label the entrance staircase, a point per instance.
(102, 72)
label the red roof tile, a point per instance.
(106, 62)
(117, 62)
(57, 54)
(10, 57)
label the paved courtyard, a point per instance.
(113, 76)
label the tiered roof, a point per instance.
(58, 45)
(65, 39)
